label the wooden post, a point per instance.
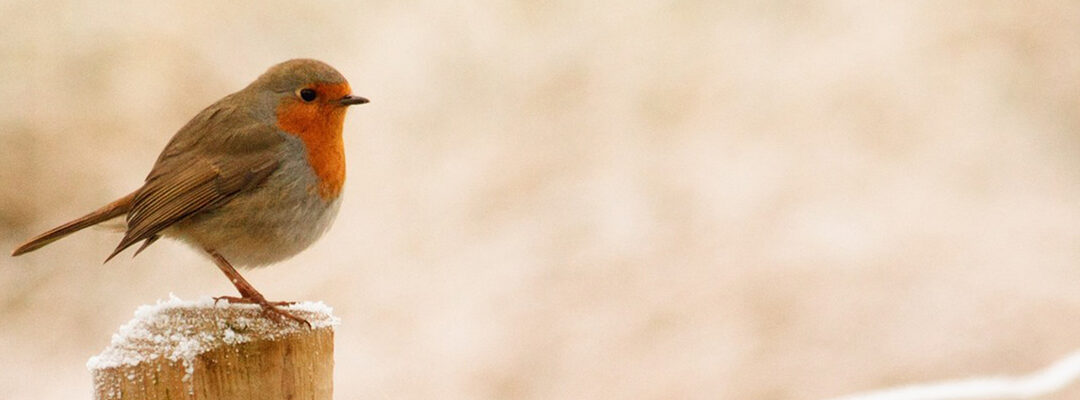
(198, 350)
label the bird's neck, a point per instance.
(320, 130)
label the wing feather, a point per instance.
(208, 162)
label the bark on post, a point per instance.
(199, 350)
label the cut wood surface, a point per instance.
(200, 350)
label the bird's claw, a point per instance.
(269, 308)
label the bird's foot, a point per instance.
(248, 300)
(271, 309)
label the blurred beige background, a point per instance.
(586, 199)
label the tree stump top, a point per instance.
(199, 338)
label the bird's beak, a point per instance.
(349, 100)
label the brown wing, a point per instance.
(213, 158)
(201, 185)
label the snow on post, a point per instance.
(198, 350)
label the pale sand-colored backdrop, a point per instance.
(586, 199)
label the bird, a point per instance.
(251, 180)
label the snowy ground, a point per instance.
(1040, 383)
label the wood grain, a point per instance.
(239, 354)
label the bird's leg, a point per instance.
(249, 295)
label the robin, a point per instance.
(253, 179)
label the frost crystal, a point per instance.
(181, 330)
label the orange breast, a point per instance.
(319, 125)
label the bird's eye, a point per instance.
(308, 95)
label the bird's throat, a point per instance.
(319, 127)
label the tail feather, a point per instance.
(109, 211)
